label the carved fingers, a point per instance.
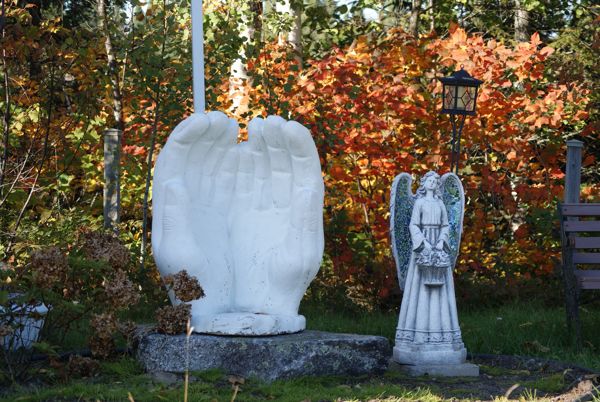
(195, 152)
(262, 187)
(280, 160)
(305, 159)
(244, 180)
(173, 157)
(285, 160)
(215, 158)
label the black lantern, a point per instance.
(459, 98)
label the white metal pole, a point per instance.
(198, 57)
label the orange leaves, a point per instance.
(338, 173)
(546, 51)
(374, 113)
(458, 36)
(535, 40)
(460, 55)
(134, 150)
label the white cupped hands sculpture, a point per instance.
(246, 219)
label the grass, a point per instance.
(498, 371)
(215, 386)
(530, 329)
(522, 329)
(526, 329)
(553, 383)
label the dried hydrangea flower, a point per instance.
(101, 246)
(6, 330)
(185, 287)
(104, 323)
(102, 343)
(173, 319)
(102, 347)
(121, 291)
(79, 366)
(128, 330)
(49, 266)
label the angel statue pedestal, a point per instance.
(426, 229)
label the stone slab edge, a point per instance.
(268, 358)
(445, 370)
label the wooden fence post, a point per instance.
(112, 188)
(571, 196)
(573, 174)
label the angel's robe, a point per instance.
(428, 313)
(429, 221)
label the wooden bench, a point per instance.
(580, 236)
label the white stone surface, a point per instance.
(245, 218)
(428, 333)
(28, 321)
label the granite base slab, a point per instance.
(441, 370)
(268, 358)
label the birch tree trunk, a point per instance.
(294, 36)
(413, 23)
(521, 22)
(113, 70)
(239, 80)
(432, 15)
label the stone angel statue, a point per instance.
(426, 229)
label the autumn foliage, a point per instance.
(373, 110)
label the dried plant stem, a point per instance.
(157, 110)
(236, 388)
(185, 386)
(6, 116)
(41, 165)
(187, 361)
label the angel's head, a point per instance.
(430, 181)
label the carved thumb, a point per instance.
(304, 238)
(175, 224)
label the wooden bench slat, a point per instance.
(588, 280)
(586, 242)
(586, 258)
(588, 273)
(590, 285)
(571, 224)
(580, 209)
(581, 226)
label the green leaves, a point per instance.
(46, 348)
(3, 297)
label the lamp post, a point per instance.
(459, 98)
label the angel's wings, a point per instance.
(402, 202)
(453, 196)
